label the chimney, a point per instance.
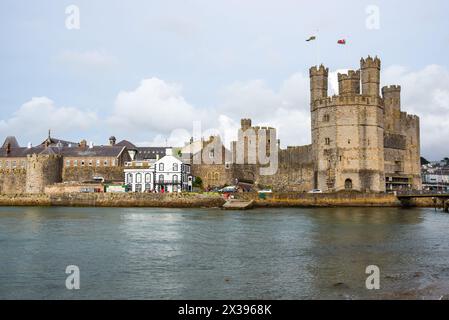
(8, 148)
(29, 145)
(91, 145)
(168, 152)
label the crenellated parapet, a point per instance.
(319, 71)
(318, 82)
(370, 62)
(370, 68)
(337, 101)
(349, 84)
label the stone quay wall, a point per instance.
(211, 200)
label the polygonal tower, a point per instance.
(42, 170)
(318, 83)
(370, 76)
(347, 131)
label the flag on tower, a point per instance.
(342, 41)
(311, 38)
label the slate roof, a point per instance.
(12, 141)
(96, 151)
(144, 153)
(126, 143)
(59, 142)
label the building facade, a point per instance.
(168, 174)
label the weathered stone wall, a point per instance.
(173, 200)
(82, 174)
(347, 139)
(341, 199)
(12, 181)
(42, 170)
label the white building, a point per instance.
(172, 175)
(168, 174)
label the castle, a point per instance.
(361, 140)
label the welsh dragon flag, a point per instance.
(342, 41)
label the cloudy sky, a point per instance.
(148, 70)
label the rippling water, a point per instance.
(214, 254)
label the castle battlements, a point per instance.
(319, 71)
(393, 90)
(370, 62)
(351, 75)
(340, 100)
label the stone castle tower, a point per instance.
(42, 170)
(348, 130)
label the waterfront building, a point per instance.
(168, 174)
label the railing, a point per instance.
(168, 182)
(421, 193)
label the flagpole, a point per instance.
(317, 49)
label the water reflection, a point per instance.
(213, 254)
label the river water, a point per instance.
(296, 253)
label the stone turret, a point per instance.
(370, 68)
(245, 124)
(349, 84)
(42, 170)
(318, 83)
(392, 103)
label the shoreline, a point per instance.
(209, 200)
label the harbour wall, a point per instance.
(209, 200)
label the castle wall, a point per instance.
(82, 174)
(42, 170)
(12, 181)
(347, 136)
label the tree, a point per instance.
(198, 182)
(424, 161)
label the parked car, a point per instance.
(316, 191)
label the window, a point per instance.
(130, 178)
(326, 118)
(14, 164)
(188, 168)
(75, 163)
(175, 167)
(1, 163)
(139, 178)
(67, 163)
(7, 164)
(90, 163)
(161, 167)
(105, 163)
(23, 164)
(327, 141)
(175, 179)
(161, 178)
(83, 162)
(148, 177)
(113, 162)
(98, 162)
(348, 184)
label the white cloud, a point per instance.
(36, 116)
(88, 59)
(154, 107)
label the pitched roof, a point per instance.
(145, 153)
(126, 143)
(96, 151)
(12, 142)
(59, 142)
